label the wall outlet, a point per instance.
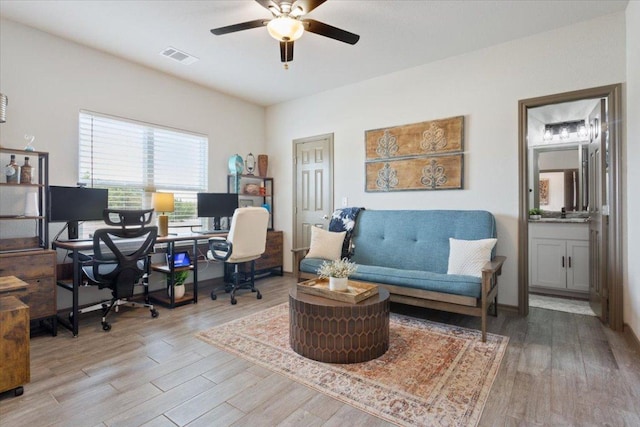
(345, 202)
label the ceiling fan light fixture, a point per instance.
(285, 28)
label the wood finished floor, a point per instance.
(559, 369)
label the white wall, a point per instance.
(48, 80)
(485, 87)
(632, 261)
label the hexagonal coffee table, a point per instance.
(339, 332)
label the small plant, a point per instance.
(535, 211)
(339, 268)
(179, 277)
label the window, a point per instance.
(134, 159)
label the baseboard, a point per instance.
(509, 308)
(632, 335)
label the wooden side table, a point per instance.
(339, 332)
(14, 342)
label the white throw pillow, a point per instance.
(467, 257)
(325, 244)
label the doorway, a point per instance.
(605, 255)
(312, 186)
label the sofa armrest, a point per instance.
(298, 254)
(490, 273)
(494, 266)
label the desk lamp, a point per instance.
(163, 202)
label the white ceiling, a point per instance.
(394, 35)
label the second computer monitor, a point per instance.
(217, 205)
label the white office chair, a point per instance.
(245, 242)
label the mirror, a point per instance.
(558, 180)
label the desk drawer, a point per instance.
(41, 297)
(28, 265)
(38, 270)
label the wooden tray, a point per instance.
(356, 291)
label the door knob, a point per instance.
(325, 216)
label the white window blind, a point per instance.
(134, 159)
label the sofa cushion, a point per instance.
(325, 244)
(446, 283)
(416, 239)
(467, 257)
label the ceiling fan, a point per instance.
(287, 25)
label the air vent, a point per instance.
(178, 55)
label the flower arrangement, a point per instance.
(340, 268)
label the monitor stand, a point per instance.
(216, 223)
(72, 230)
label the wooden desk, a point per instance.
(76, 246)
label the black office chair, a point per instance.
(245, 242)
(121, 258)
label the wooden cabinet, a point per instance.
(38, 269)
(559, 257)
(14, 344)
(271, 259)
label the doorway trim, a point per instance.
(613, 93)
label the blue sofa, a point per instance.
(407, 252)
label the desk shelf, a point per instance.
(161, 297)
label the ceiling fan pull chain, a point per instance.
(286, 55)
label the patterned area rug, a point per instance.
(432, 374)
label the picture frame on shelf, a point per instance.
(244, 203)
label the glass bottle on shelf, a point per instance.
(12, 171)
(25, 172)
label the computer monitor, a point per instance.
(74, 204)
(217, 205)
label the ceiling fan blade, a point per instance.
(302, 7)
(326, 30)
(240, 27)
(286, 51)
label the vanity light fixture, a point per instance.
(582, 131)
(565, 129)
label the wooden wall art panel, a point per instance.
(419, 156)
(418, 139)
(418, 173)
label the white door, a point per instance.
(598, 218)
(313, 201)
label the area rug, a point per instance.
(432, 375)
(561, 304)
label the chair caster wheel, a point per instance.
(154, 313)
(234, 301)
(214, 296)
(18, 391)
(259, 296)
(106, 326)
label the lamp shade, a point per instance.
(163, 202)
(285, 28)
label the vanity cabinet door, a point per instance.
(578, 265)
(547, 265)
